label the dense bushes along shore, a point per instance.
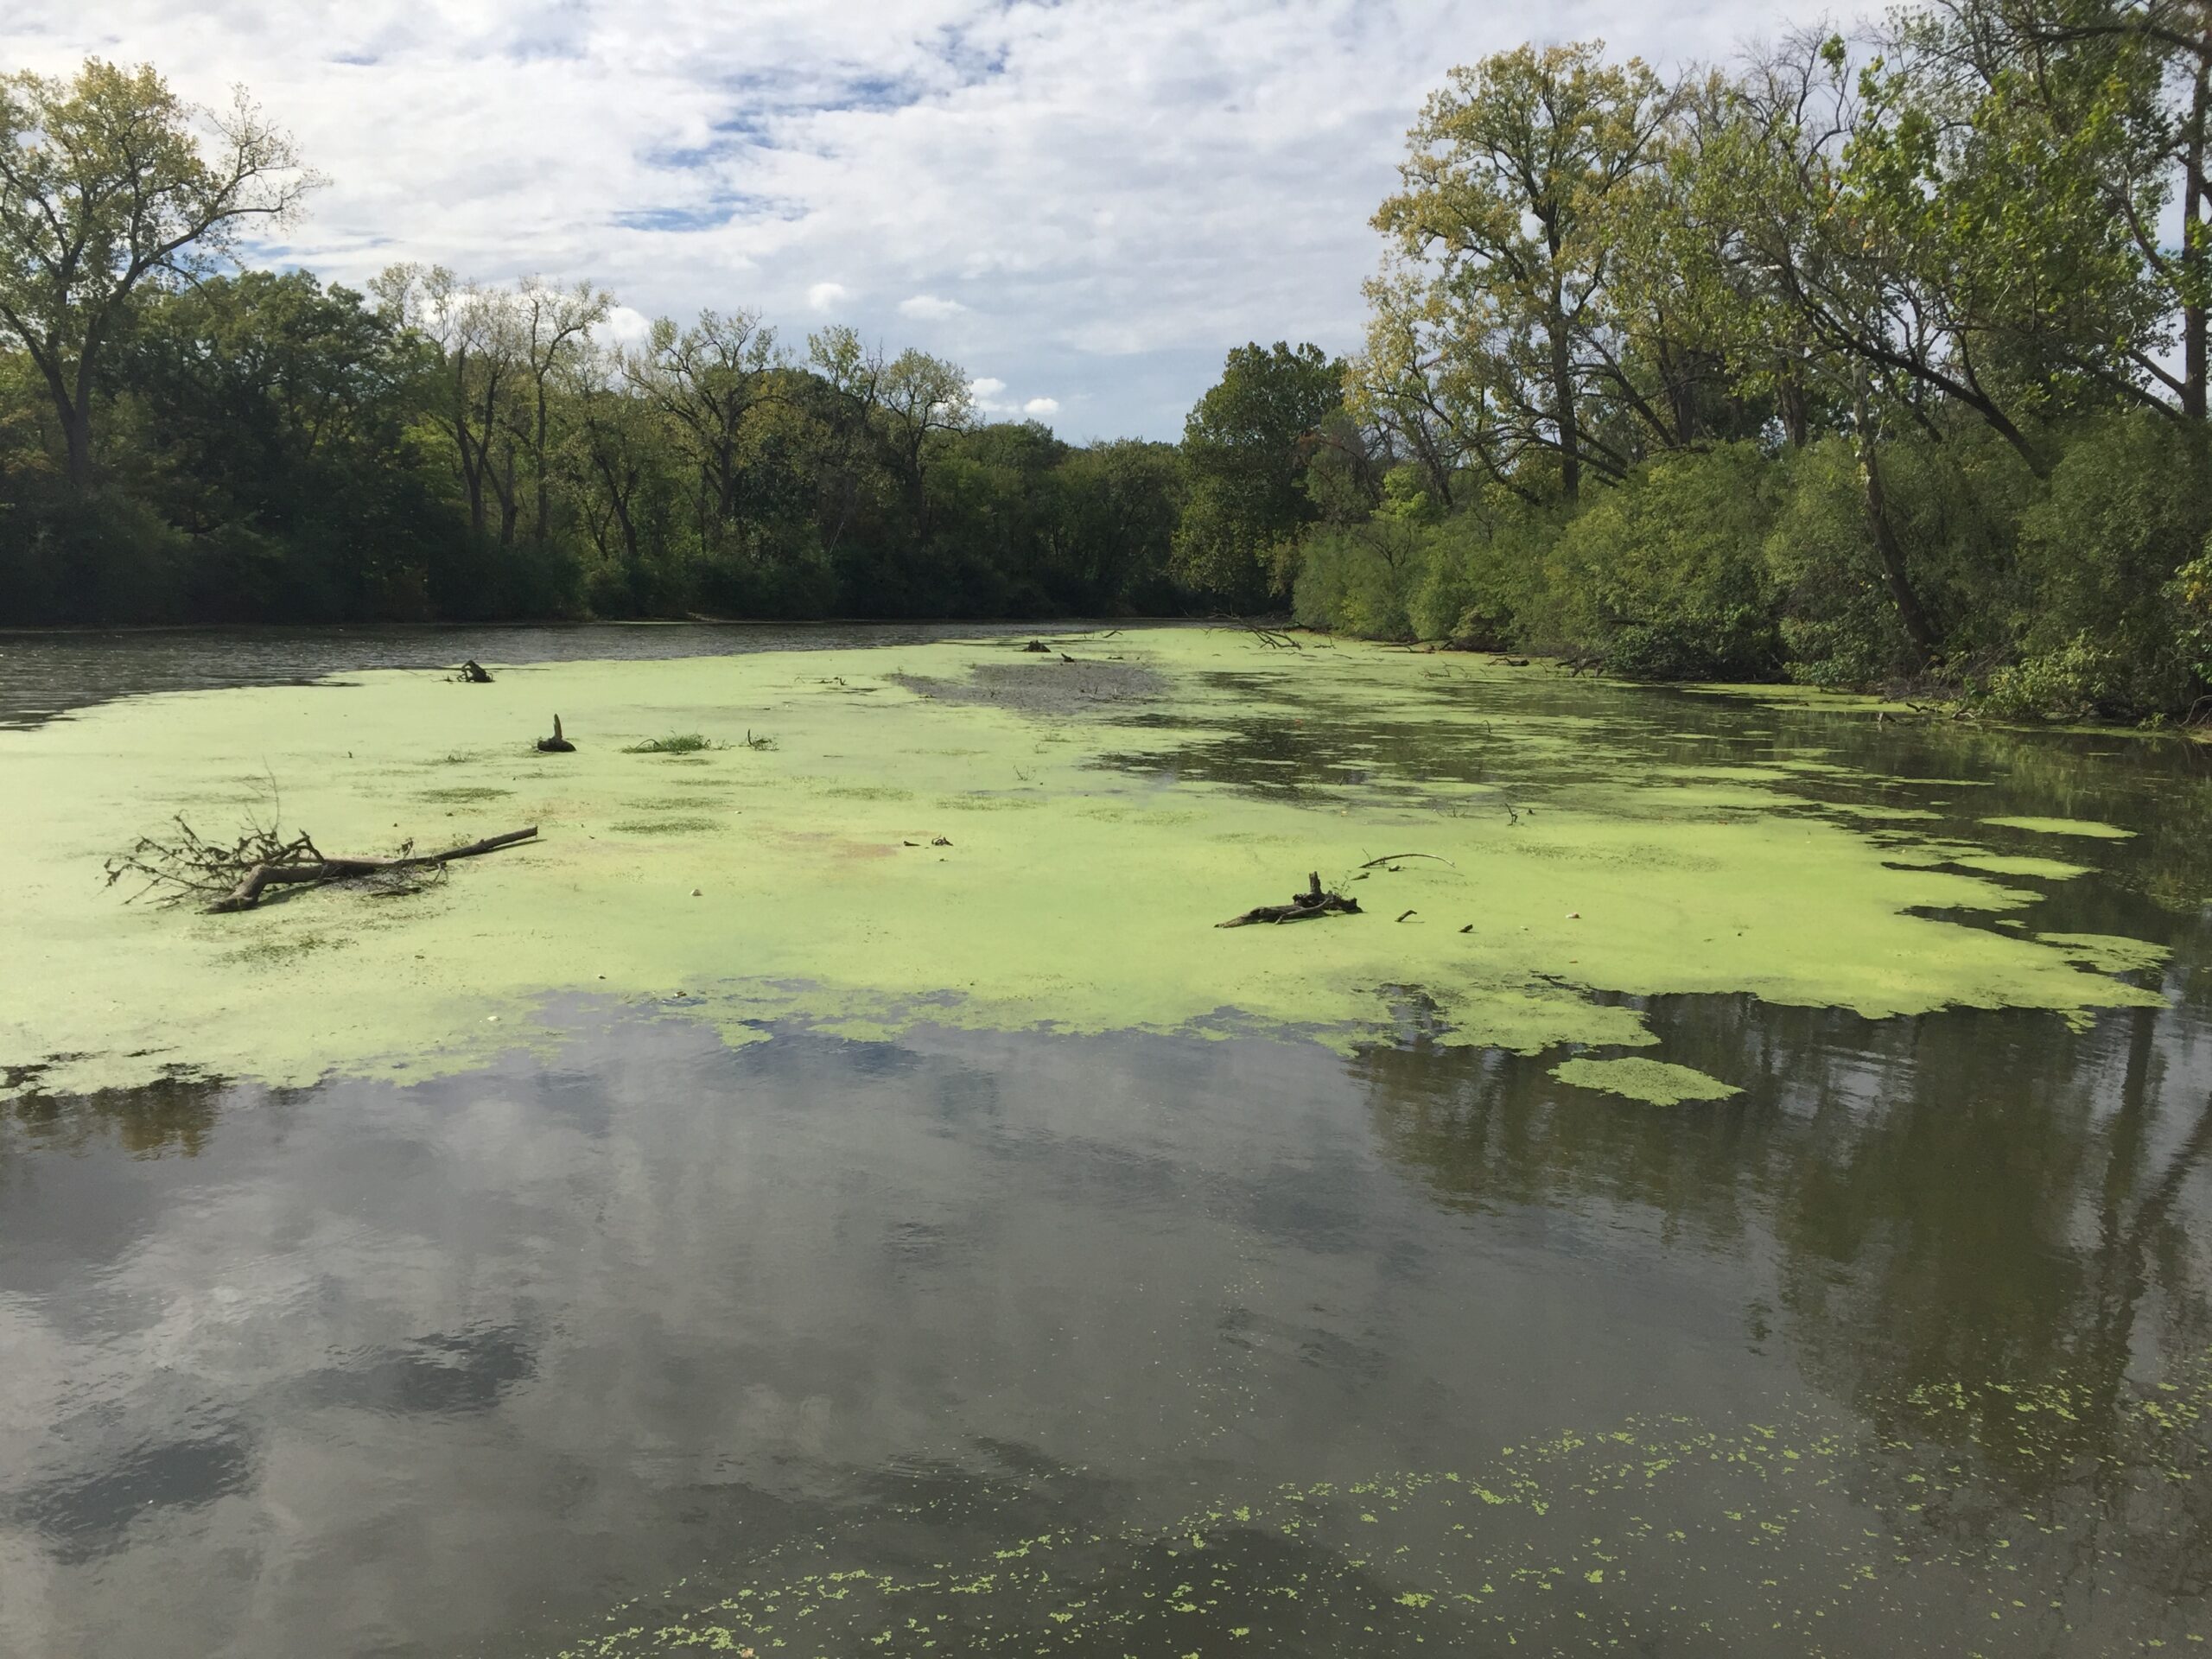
(2084, 593)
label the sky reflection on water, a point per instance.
(456, 1367)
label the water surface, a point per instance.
(1151, 1345)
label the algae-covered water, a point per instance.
(1738, 1187)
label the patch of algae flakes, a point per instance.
(1795, 1534)
(1656, 1082)
(1026, 853)
(2089, 829)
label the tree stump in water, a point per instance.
(1302, 906)
(555, 744)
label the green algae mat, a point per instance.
(979, 837)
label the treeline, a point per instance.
(181, 441)
(1865, 362)
(267, 448)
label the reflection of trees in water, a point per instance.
(1984, 1231)
(175, 1116)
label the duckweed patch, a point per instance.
(1656, 1082)
(2086, 828)
(1080, 893)
(1964, 1525)
(465, 796)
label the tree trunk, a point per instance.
(508, 510)
(1790, 404)
(1918, 630)
(2193, 315)
(76, 433)
(537, 462)
(1570, 437)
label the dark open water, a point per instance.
(1143, 1345)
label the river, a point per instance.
(1153, 1342)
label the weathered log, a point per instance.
(262, 877)
(555, 744)
(1303, 906)
(472, 672)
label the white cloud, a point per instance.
(625, 326)
(1039, 408)
(928, 308)
(986, 388)
(827, 296)
(1126, 188)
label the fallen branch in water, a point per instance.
(1302, 906)
(1392, 858)
(1274, 638)
(235, 877)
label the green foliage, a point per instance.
(2107, 627)
(1874, 359)
(2191, 594)
(1662, 578)
(1411, 572)
(1248, 445)
(110, 187)
(273, 449)
(1839, 625)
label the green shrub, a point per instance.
(1357, 579)
(1479, 571)
(1663, 577)
(2107, 626)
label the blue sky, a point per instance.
(1085, 203)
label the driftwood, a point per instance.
(234, 876)
(1274, 638)
(555, 744)
(1302, 906)
(472, 672)
(312, 868)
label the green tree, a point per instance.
(110, 182)
(916, 394)
(554, 329)
(1503, 237)
(707, 381)
(1248, 445)
(269, 419)
(473, 333)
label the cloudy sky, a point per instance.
(1084, 203)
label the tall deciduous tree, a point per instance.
(483, 359)
(916, 394)
(553, 329)
(1505, 226)
(707, 380)
(108, 182)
